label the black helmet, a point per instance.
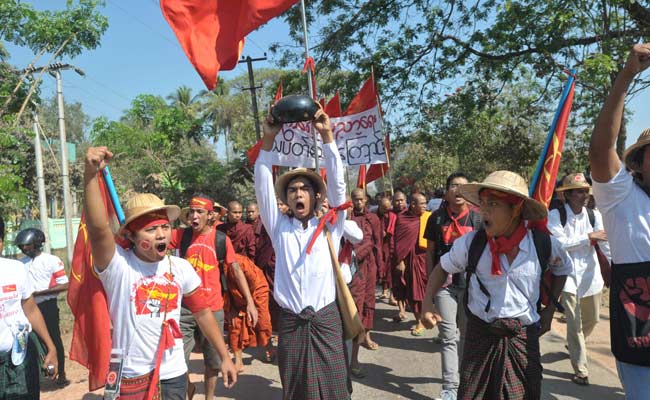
(30, 236)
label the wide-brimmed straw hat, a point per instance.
(284, 179)
(630, 152)
(144, 203)
(574, 181)
(510, 183)
(217, 205)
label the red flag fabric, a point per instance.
(545, 186)
(361, 179)
(212, 33)
(278, 92)
(254, 152)
(91, 334)
(365, 99)
(333, 107)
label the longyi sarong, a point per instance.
(500, 366)
(20, 382)
(311, 355)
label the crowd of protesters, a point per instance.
(483, 261)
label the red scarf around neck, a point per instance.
(503, 245)
(455, 229)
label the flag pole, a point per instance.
(108, 179)
(381, 126)
(310, 78)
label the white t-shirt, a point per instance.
(137, 297)
(45, 271)
(514, 293)
(15, 286)
(626, 216)
(586, 279)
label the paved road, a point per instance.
(405, 367)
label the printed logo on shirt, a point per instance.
(198, 264)
(637, 303)
(8, 288)
(155, 295)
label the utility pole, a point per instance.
(251, 81)
(40, 180)
(55, 70)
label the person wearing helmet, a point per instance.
(48, 279)
(19, 366)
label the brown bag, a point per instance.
(352, 325)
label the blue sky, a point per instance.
(139, 54)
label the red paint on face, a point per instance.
(144, 244)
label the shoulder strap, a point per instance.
(220, 245)
(562, 212)
(592, 216)
(476, 247)
(220, 249)
(542, 242)
(475, 250)
(186, 240)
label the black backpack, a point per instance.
(542, 242)
(219, 247)
(590, 214)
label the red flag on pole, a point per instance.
(278, 92)
(212, 33)
(91, 334)
(365, 99)
(361, 179)
(333, 107)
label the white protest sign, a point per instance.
(358, 137)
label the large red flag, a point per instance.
(212, 32)
(333, 107)
(278, 92)
(365, 99)
(361, 179)
(91, 334)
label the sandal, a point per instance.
(417, 331)
(357, 373)
(580, 380)
(371, 345)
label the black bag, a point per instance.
(629, 302)
(219, 247)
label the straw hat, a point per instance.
(284, 179)
(574, 181)
(144, 203)
(217, 205)
(507, 182)
(630, 152)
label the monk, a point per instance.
(242, 332)
(410, 257)
(397, 277)
(385, 253)
(364, 281)
(241, 234)
(264, 256)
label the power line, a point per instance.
(146, 25)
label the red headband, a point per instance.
(202, 202)
(148, 220)
(507, 197)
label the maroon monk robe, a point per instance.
(265, 259)
(364, 281)
(407, 230)
(385, 253)
(242, 237)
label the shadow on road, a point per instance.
(562, 386)
(383, 378)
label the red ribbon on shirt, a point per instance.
(502, 245)
(331, 216)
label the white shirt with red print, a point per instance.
(15, 287)
(138, 294)
(45, 272)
